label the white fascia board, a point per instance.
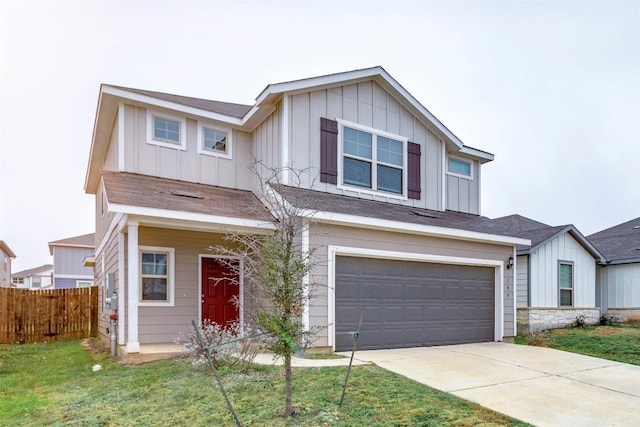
(190, 216)
(120, 93)
(487, 157)
(404, 227)
(337, 78)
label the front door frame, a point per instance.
(241, 284)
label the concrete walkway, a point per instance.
(299, 362)
(541, 386)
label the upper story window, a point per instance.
(166, 130)
(460, 167)
(17, 280)
(214, 141)
(373, 159)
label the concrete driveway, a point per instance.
(538, 385)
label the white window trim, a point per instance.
(206, 151)
(573, 283)
(374, 132)
(182, 145)
(461, 175)
(170, 276)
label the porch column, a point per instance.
(133, 344)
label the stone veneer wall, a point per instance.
(531, 319)
(624, 314)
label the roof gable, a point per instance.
(6, 249)
(83, 241)
(46, 268)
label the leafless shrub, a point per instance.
(537, 338)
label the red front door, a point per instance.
(220, 291)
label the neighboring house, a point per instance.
(395, 199)
(555, 276)
(6, 255)
(68, 261)
(619, 278)
(33, 278)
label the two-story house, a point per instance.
(394, 200)
(33, 278)
(69, 254)
(6, 255)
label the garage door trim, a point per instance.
(334, 251)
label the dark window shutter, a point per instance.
(413, 170)
(328, 151)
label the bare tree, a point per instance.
(276, 269)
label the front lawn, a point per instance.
(53, 384)
(620, 343)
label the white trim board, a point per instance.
(334, 251)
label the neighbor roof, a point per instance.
(540, 233)
(33, 271)
(129, 189)
(83, 241)
(316, 201)
(621, 243)
(6, 249)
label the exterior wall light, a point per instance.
(509, 262)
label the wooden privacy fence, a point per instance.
(47, 315)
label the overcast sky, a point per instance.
(551, 88)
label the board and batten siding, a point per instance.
(323, 235)
(522, 285)
(185, 165)
(463, 195)
(544, 273)
(368, 104)
(67, 260)
(619, 286)
(111, 156)
(266, 144)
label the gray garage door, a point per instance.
(409, 304)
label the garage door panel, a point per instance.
(412, 303)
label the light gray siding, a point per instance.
(619, 286)
(323, 235)
(67, 260)
(544, 272)
(111, 157)
(463, 195)
(265, 141)
(5, 269)
(522, 274)
(106, 262)
(186, 165)
(368, 104)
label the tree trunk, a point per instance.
(288, 409)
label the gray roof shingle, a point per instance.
(225, 108)
(620, 242)
(161, 193)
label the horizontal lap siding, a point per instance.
(165, 324)
(323, 235)
(62, 283)
(106, 262)
(365, 103)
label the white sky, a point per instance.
(551, 88)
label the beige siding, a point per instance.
(322, 235)
(368, 104)
(522, 290)
(463, 195)
(265, 141)
(106, 262)
(544, 272)
(164, 324)
(186, 165)
(619, 286)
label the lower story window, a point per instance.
(156, 275)
(565, 280)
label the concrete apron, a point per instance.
(537, 385)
